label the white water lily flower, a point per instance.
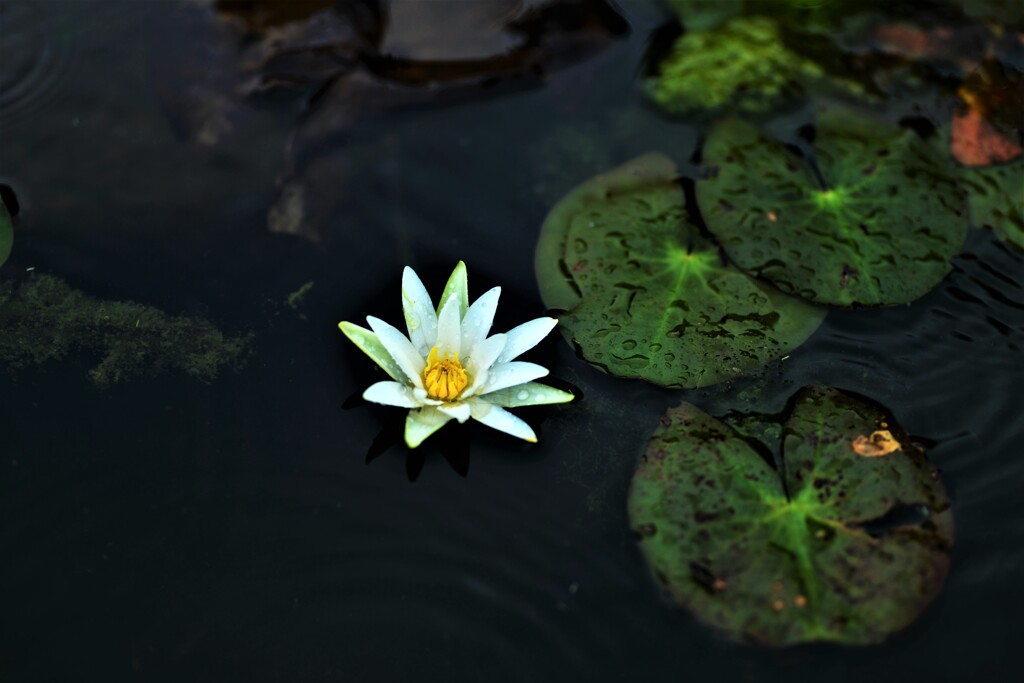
(448, 368)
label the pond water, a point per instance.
(246, 528)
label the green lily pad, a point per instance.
(646, 295)
(742, 65)
(872, 221)
(835, 546)
(6, 233)
(996, 196)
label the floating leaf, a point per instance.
(975, 142)
(647, 296)
(6, 233)
(879, 444)
(742, 65)
(873, 221)
(997, 199)
(833, 546)
(989, 128)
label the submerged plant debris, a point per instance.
(872, 220)
(295, 300)
(346, 62)
(830, 546)
(646, 295)
(44, 319)
(741, 66)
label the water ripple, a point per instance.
(35, 54)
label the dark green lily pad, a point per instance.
(645, 295)
(873, 221)
(6, 233)
(836, 546)
(997, 200)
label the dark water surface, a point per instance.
(166, 529)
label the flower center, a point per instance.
(444, 378)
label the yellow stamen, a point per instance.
(444, 378)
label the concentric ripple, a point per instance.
(35, 54)
(486, 587)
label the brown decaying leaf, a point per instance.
(988, 128)
(880, 443)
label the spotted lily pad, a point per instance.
(841, 543)
(997, 199)
(644, 294)
(6, 233)
(872, 220)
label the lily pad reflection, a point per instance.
(835, 545)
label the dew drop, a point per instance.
(655, 348)
(629, 344)
(523, 395)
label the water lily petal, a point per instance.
(369, 344)
(524, 337)
(478, 319)
(498, 418)
(391, 394)
(529, 394)
(422, 423)
(449, 328)
(484, 355)
(400, 348)
(420, 317)
(459, 286)
(511, 374)
(457, 411)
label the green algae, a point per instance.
(741, 66)
(699, 15)
(43, 319)
(296, 298)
